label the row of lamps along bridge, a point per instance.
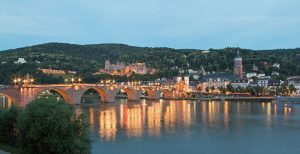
(30, 80)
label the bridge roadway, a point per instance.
(72, 93)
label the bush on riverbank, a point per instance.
(8, 131)
(46, 126)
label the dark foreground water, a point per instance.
(193, 127)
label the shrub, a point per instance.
(8, 118)
(51, 126)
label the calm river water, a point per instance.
(192, 127)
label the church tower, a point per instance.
(238, 65)
(107, 65)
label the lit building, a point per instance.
(242, 83)
(216, 83)
(295, 80)
(54, 72)
(238, 65)
(138, 68)
(263, 81)
(121, 69)
(182, 86)
(252, 74)
(114, 67)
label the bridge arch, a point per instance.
(152, 93)
(102, 93)
(62, 93)
(166, 93)
(133, 94)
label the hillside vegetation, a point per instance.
(86, 59)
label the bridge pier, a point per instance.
(107, 99)
(155, 96)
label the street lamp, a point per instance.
(15, 81)
(72, 79)
(79, 80)
(31, 81)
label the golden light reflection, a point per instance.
(186, 113)
(269, 114)
(5, 102)
(204, 114)
(92, 120)
(154, 113)
(213, 111)
(170, 115)
(226, 114)
(275, 109)
(137, 119)
(134, 125)
(108, 124)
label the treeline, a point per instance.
(87, 59)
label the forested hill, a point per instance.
(88, 58)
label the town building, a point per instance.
(238, 65)
(114, 67)
(240, 83)
(138, 68)
(182, 86)
(251, 74)
(53, 72)
(295, 80)
(276, 65)
(263, 81)
(216, 83)
(121, 69)
(273, 84)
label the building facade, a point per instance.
(238, 65)
(295, 80)
(242, 83)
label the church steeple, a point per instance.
(238, 65)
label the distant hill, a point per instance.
(88, 58)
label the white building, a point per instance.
(263, 81)
(242, 83)
(276, 65)
(295, 80)
(216, 83)
(252, 74)
(21, 61)
(261, 75)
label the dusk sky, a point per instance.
(200, 24)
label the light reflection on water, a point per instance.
(193, 124)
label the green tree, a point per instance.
(8, 118)
(229, 88)
(292, 89)
(50, 126)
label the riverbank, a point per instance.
(227, 99)
(8, 149)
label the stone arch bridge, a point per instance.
(72, 93)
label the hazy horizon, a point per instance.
(180, 24)
(149, 46)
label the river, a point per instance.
(192, 127)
